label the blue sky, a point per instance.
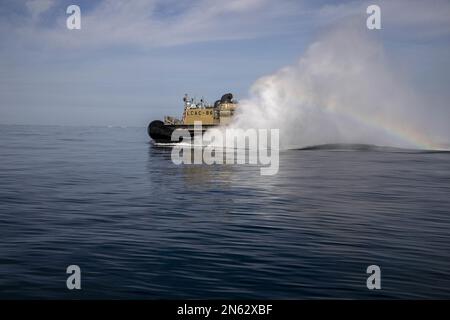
(132, 61)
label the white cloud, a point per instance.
(37, 7)
(153, 23)
(408, 18)
(140, 23)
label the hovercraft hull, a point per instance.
(162, 133)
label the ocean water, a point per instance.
(141, 227)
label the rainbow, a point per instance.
(402, 131)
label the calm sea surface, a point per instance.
(141, 227)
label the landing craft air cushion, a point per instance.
(219, 114)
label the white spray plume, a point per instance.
(341, 91)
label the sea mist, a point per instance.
(342, 90)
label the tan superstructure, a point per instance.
(205, 115)
(221, 113)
